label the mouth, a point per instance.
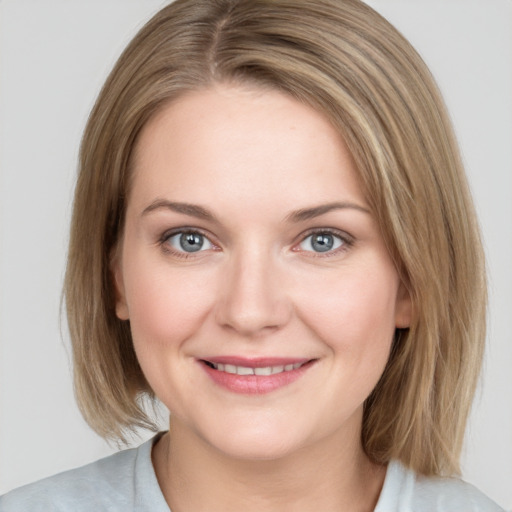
(250, 370)
(255, 376)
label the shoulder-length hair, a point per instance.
(350, 64)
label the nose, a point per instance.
(253, 299)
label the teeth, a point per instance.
(245, 370)
(242, 370)
(229, 368)
(263, 371)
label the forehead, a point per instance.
(246, 141)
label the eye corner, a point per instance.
(186, 242)
(329, 242)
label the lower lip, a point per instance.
(255, 384)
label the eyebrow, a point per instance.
(186, 208)
(316, 211)
(296, 216)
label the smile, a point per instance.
(247, 370)
(256, 376)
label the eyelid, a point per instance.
(166, 235)
(347, 239)
(176, 240)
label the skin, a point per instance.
(256, 160)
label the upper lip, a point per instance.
(256, 362)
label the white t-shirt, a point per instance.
(126, 482)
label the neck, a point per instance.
(331, 475)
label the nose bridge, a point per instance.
(253, 299)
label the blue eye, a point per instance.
(189, 242)
(321, 242)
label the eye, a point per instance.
(190, 241)
(322, 241)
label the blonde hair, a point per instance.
(350, 64)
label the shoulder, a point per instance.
(108, 484)
(405, 490)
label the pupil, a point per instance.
(323, 242)
(191, 242)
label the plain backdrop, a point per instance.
(54, 56)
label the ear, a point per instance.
(116, 271)
(403, 308)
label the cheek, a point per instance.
(166, 309)
(165, 305)
(354, 313)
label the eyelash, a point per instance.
(346, 242)
(165, 238)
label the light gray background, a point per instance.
(54, 58)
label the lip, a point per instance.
(255, 384)
(256, 362)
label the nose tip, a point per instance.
(251, 321)
(253, 301)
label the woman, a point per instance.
(272, 234)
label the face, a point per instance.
(260, 294)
